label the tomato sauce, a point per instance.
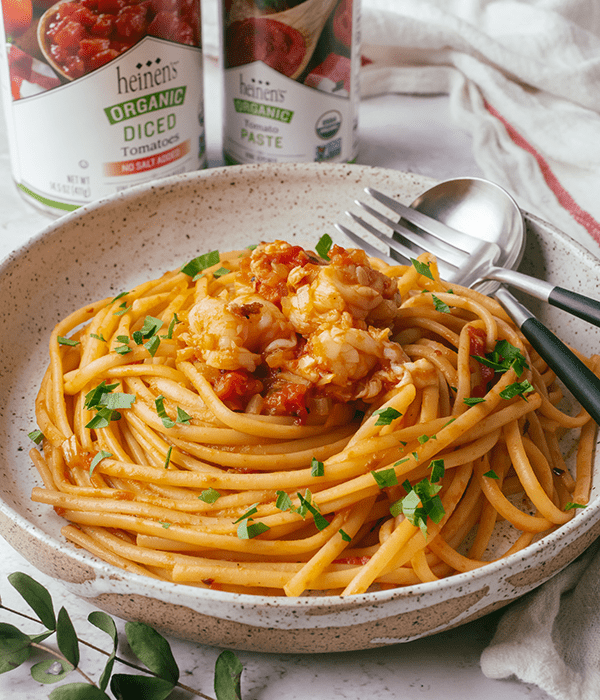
(477, 339)
(258, 39)
(86, 34)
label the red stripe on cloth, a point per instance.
(581, 216)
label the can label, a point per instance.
(290, 80)
(101, 95)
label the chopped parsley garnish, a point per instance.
(517, 389)
(221, 271)
(438, 470)
(165, 524)
(98, 337)
(491, 474)
(316, 468)
(152, 345)
(385, 478)
(123, 309)
(202, 262)
(345, 536)
(182, 416)
(422, 268)
(67, 341)
(324, 246)
(571, 505)
(283, 502)
(248, 529)
(504, 357)
(168, 457)
(421, 502)
(386, 415)
(307, 505)
(248, 514)
(473, 400)
(440, 305)
(174, 322)
(36, 435)
(426, 438)
(252, 247)
(98, 458)
(209, 495)
(106, 404)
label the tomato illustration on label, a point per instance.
(17, 15)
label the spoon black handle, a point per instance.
(575, 375)
(584, 307)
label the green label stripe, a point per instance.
(257, 109)
(48, 202)
(173, 97)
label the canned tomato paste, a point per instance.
(290, 72)
(100, 95)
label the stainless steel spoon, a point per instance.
(485, 211)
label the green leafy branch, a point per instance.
(151, 648)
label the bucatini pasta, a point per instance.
(281, 422)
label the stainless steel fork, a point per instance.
(462, 258)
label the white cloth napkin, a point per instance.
(523, 78)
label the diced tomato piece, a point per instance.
(131, 22)
(90, 47)
(477, 339)
(102, 57)
(74, 67)
(111, 6)
(70, 35)
(164, 6)
(236, 387)
(103, 26)
(288, 400)
(90, 4)
(65, 9)
(84, 16)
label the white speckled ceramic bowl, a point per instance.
(111, 245)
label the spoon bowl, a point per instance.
(480, 209)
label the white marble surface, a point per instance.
(405, 133)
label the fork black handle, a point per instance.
(584, 307)
(575, 375)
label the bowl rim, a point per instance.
(113, 575)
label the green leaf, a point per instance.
(385, 416)
(66, 638)
(51, 670)
(117, 401)
(36, 435)
(66, 341)
(159, 402)
(152, 345)
(202, 262)
(15, 647)
(209, 495)
(385, 478)
(316, 468)
(78, 691)
(36, 596)
(320, 521)
(324, 246)
(93, 398)
(98, 458)
(345, 536)
(516, 389)
(473, 400)
(440, 305)
(571, 505)
(437, 467)
(228, 676)
(248, 529)
(153, 650)
(220, 272)
(182, 416)
(126, 687)
(151, 326)
(283, 502)
(105, 623)
(422, 268)
(248, 514)
(491, 474)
